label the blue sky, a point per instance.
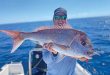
(12, 11)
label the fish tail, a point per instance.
(17, 38)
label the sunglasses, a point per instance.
(60, 17)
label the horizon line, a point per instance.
(51, 20)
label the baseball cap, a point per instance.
(60, 11)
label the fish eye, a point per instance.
(83, 43)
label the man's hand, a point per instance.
(48, 46)
(83, 59)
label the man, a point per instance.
(58, 64)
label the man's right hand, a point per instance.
(48, 46)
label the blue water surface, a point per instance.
(97, 28)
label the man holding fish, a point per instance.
(59, 64)
(63, 44)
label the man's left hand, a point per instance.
(83, 59)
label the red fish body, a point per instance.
(77, 42)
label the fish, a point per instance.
(70, 42)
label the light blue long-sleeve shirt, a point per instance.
(58, 66)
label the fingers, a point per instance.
(48, 45)
(45, 45)
(83, 59)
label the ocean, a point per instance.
(97, 29)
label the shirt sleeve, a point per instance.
(48, 57)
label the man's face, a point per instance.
(60, 19)
(60, 22)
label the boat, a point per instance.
(13, 68)
(36, 66)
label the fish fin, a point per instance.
(67, 26)
(62, 46)
(42, 28)
(18, 39)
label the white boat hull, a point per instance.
(12, 69)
